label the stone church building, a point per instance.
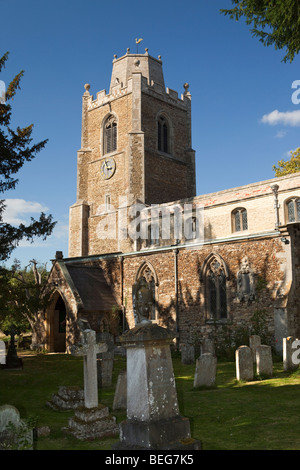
(141, 242)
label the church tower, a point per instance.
(135, 146)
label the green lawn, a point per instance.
(258, 415)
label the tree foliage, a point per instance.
(274, 22)
(290, 166)
(22, 295)
(16, 148)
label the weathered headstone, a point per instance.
(187, 354)
(120, 398)
(244, 363)
(2, 352)
(14, 433)
(207, 346)
(105, 360)
(67, 398)
(264, 362)
(288, 349)
(91, 421)
(153, 419)
(254, 341)
(205, 373)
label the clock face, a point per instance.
(108, 167)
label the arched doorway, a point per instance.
(57, 324)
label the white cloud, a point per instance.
(17, 209)
(288, 118)
(280, 134)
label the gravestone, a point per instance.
(105, 360)
(254, 341)
(14, 433)
(67, 398)
(120, 398)
(207, 346)
(264, 363)
(12, 359)
(91, 421)
(153, 419)
(205, 373)
(288, 348)
(244, 363)
(187, 354)
(2, 352)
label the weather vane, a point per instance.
(137, 41)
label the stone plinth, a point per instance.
(92, 423)
(153, 419)
(67, 398)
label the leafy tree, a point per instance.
(290, 166)
(274, 22)
(16, 148)
(22, 297)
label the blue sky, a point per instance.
(234, 80)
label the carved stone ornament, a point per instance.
(245, 282)
(143, 301)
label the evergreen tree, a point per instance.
(16, 148)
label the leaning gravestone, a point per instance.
(264, 363)
(14, 433)
(92, 420)
(254, 341)
(289, 347)
(205, 373)
(244, 363)
(120, 398)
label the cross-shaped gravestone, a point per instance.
(89, 348)
(12, 359)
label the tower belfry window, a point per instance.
(110, 135)
(163, 135)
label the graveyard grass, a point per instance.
(259, 415)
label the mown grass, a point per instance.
(257, 415)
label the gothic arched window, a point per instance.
(110, 135)
(163, 135)
(214, 275)
(239, 220)
(144, 293)
(293, 210)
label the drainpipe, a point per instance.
(122, 291)
(176, 294)
(275, 188)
